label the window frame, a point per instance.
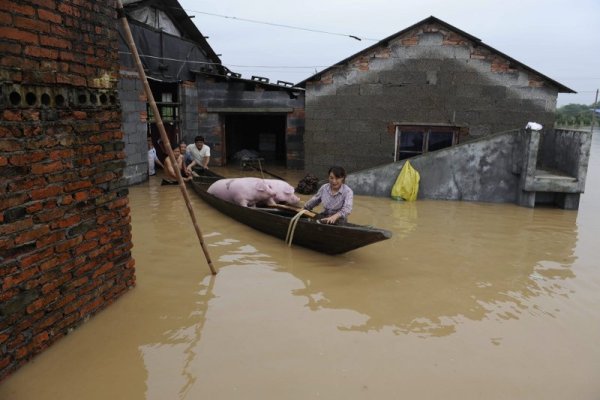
(426, 130)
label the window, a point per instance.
(415, 140)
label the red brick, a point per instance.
(60, 154)
(3, 337)
(66, 322)
(40, 52)
(5, 242)
(81, 196)
(18, 35)
(18, 62)
(40, 338)
(31, 235)
(82, 270)
(33, 208)
(46, 192)
(118, 203)
(31, 24)
(23, 159)
(41, 169)
(66, 200)
(63, 301)
(54, 42)
(14, 280)
(70, 79)
(107, 177)
(68, 244)
(91, 307)
(12, 7)
(106, 267)
(80, 115)
(31, 115)
(49, 215)
(46, 15)
(9, 115)
(69, 10)
(48, 321)
(85, 247)
(12, 48)
(28, 261)
(5, 18)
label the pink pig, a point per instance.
(243, 191)
(284, 192)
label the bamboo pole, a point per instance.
(161, 129)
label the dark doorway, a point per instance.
(261, 133)
(166, 96)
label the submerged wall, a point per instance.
(65, 233)
(507, 167)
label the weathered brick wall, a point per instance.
(65, 235)
(428, 75)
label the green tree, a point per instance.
(575, 114)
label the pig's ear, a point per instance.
(260, 186)
(288, 190)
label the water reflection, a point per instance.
(169, 361)
(450, 261)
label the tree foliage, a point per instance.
(576, 114)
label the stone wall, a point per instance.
(65, 234)
(428, 75)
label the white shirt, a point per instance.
(198, 155)
(151, 158)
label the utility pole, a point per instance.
(594, 108)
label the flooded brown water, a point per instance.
(466, 301)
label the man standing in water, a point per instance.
(336, 196)
(199, 153)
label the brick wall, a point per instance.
(65, 235)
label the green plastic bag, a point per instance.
(407, 184)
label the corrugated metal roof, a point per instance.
(561, 88)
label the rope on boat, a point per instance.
(292, 227)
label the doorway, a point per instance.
(263, 134)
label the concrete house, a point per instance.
(197, 95)
(427, 87)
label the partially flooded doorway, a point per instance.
(263, 134)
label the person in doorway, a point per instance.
(185, 159)
(152, 158)
(170, 169)
(199, 153)
(336, 197)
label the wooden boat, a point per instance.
(280, 222)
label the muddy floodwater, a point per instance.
(466, 301)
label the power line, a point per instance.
(355, 37)
(229, 65)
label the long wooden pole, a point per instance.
(161, 129)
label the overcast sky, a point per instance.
(558, 38)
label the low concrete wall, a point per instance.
(508, 167)
(481, 170)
